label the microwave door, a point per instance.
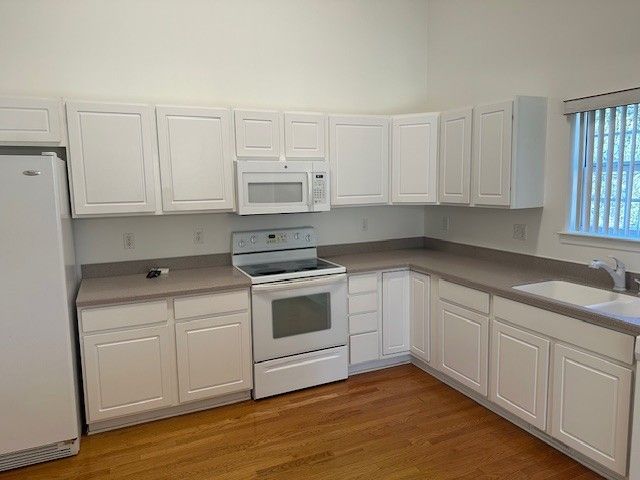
(274, 192)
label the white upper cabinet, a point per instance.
(257, 134)
(492, 154)
(112, 158)
(359, 154)
(305, 135)
(196, 161)
(415, 158)
(30, 120)
(455, 156)
(509, 152)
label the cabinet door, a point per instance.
(128, 372)
(492, 126)
(454, 172)
(112, 158)
(359, 153)
(420, 316)
(257, 134)
(520, 373)
(591, 403)
(196, 165)
(214, 356)
(415, 159)
(305, 135)
(395, 312)
(464, 341)
(30, 120)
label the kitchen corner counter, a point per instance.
(494, 277)
(133, 288)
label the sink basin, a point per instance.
(571, 293)
(596, 299)
(622, 308)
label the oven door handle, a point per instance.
(297, 284)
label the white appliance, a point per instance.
(39, 416)
(272, 186)
(299, 310)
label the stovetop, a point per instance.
(293, 266)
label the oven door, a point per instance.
(274, 187)
(299, 316)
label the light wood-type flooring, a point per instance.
(393, 424)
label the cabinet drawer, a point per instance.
(363, 283)
(363, 347)
(570, 330)
(123, 316)
(213, 304)
(467, 297)
(363, 322)
(367, 302)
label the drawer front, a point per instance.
(570, 330)
(367, 302)
(363, 283)
(467, 297)
(363, 347)
(123, 316)
(300, 371)
(213, 304)
(363, 322)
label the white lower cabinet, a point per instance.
(420, 314)
(214, 356)
(128, 372)
(463, 342)
(137, 358)
(591, 406)
(520, 373)
(395, 312)
(363, 347)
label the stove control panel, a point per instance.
(273, 240)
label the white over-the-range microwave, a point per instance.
(273, 186)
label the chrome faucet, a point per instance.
(618, 273)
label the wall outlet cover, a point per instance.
(129, 240)
(444, 226)
(520, 231)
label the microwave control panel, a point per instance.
(319, 188)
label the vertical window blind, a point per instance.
(608, 179)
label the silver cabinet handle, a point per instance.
(32, 173)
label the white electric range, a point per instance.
(299, 310)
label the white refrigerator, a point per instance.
(39, 417)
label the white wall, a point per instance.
(100, 240)
(352, 56)
(489, 50)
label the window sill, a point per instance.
(600, 241)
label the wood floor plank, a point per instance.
(393, 424)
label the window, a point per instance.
(607, 185)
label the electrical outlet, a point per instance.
(129, 240)
(444, 226)
(520, 231)
(365, 224)
(198, 236)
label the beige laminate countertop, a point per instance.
(490, 276)
(493, 277)
(131, 288)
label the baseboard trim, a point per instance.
(546, 438)
(378, 364)
(106, 425)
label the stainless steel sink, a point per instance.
(596, 299)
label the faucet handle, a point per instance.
(619, 264)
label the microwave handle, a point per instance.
(297, 284)
(310, 190)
